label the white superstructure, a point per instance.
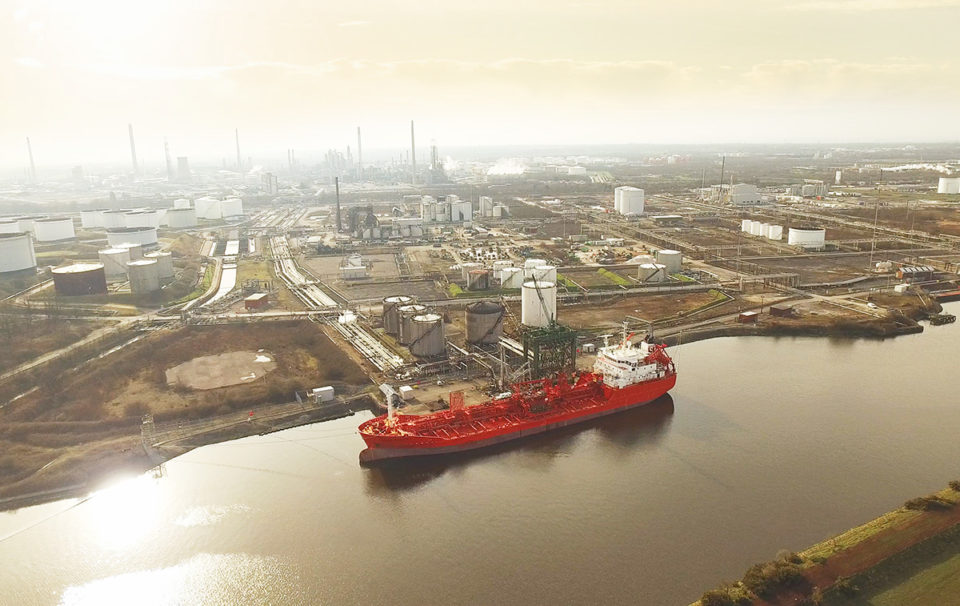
(625, 364)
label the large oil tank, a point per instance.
(756, 228)
(543, 273)
(484, 322)
(114, 261)
(427, 336)
(498, 267)
(533, 263)
(511, 277)
(745, 225)
(164, 263)
(144, 276)
(948, 185)
(141, 218)
(53, 230)
(406, 314)
(231, 207)
(391, 312)
(16, 252)
(479, 279)
(90, 219)
(178, 218)
(113, 219)
(135, 250)
(806, 237)
(208, 207)
(672, 259)
(146, 236)
(181, 203)
(466, 268)
(8, 226)
(28, 224)
(652, 272)
(538, 303)
(775, 232)
(80, 279)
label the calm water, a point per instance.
(767, 444)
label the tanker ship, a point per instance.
(624, 376)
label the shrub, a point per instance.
(768, 578)
(136, 409)
(955, 485)
(726, 595)
(844, 586)
(927, 503)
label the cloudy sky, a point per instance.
(306, 73)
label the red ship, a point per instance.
(624, 376)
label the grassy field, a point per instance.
(938, 584)
(23, 338)
(250, 269)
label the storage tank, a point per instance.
(466, 268)
(652, 272)
(511, 277)
(231, 207)
(207, 208)
(27, 224)
(776, 232)
(164, 263)
(484, 322)
(427, 336)
(671, 259)
(146, 236)
(113, 219)
(181, 203)
(529, 263)
(631, 201)
(10, 227)
(16, 252)
(178, 218)
(135, 250)
(114, 261)
(391, 312)
(498, 267)
(80, 279)
(53, 230)
(141, 218)
(745, 225)
(144, 276)
(756, 228)
(806, 237)
(948, 185)
(543, 273)
(478, 279)
(538, 303)
(406, 314)
(162, 217)
(90, 219)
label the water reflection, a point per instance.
(620, 432)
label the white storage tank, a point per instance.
(756, 228)
(146, 236)
(538, 303)
(466, 268)
(162, 217)
(135, 250)
(113, 219)
(144, 276)
(775, 233)
(391, 312)
(231, 207)
(90, 219)
(652, 272)
(543, 273)
(179, 218)
(745, 225)
(181, 203)
(10, 227)
(632, 200)
(53, 230)
(16, 252)
(27, 224)
(484, 322)
(806, 237)
(498, 267)
(406, 314)
(671, 259)
(511, 277)
(164, 263)
(427, 340)
(207, 207)
(533, 263)
(141, 218)
(114, 261)
(948, 185)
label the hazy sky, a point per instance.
(304, 74)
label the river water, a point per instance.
(766, 444)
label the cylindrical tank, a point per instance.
(135, 250)
(511, 277)
(141, 218)
(208, 208)
(756, 228)
(391, 313)
(231, 207)
(533, 263)
(27, 224)
(538, 303)
(466, 268)
(948, 185)
(181, 203)
(52, 230)
(164, 263)
(146, 236)
(144, 276)
(9, 227)
(543, 273)
(427, 336)
(406, 314)
(776, 232)
(484, 322)
(178, 218)
(745, 225)
(652, 272)
(162, 217)
(631, 200)
(806, 237)
(672, 259)
(478, 279)
(114, 261)
(90, 219)
(113, 219)
(498, 267)
(80, 279)
(16, 252)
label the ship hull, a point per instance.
(615, 400)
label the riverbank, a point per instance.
(887, 556)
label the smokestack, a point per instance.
(133, 151)
(413, 154)
(723, 163)
(236, 134)
(359, 157)
(166, 155)
(336, 182)
(33, 167)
